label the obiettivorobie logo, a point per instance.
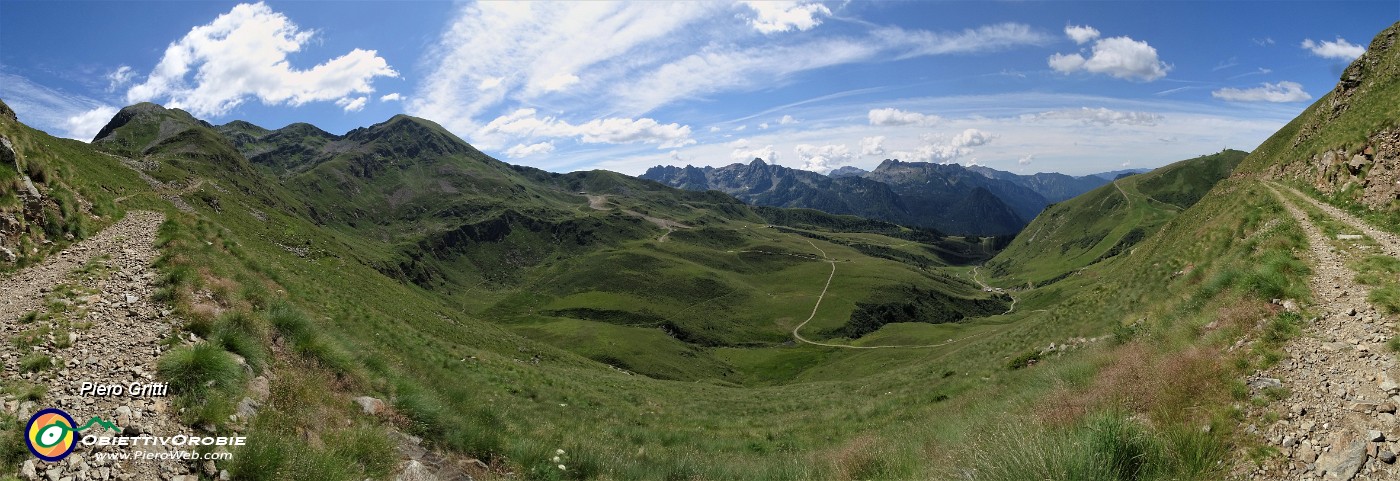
(52, 434)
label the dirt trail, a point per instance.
(797, 334)
(600, 202)
(1389, 243)
(1338, 416)
(96, 323)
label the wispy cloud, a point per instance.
(525, 123)
(1267, 92)
(58, 112)
(1098, 116)
(1258, 71)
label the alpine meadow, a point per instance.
(699, 241)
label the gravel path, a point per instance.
(96, 323)
(1338, 417)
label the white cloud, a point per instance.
(971, 138)
(244, 54)
(1100, 116)
(120, 77)
(738, 143)
(1026, 159)
(822, 158)
(1119, 57)
(85, 126)
(1081, 34)
(1339, 49)
(740, 128)
(872, 146)
(787, 120)
(767, 153)
(934, 149)
(392, 97)
(892, 116)
(1266, 92)
(1263, 42)
(782, 16)
(489, 83)
(763, 126)
(524, 123)
(559, 82)
(714, 129)
(675, 156)
(352, 104)
(522, 150)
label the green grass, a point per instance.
(35, 363)
(1109, 446)
(198, 368)
(488, 311)
(1106, 222)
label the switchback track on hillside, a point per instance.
(1339, 413)
(796, 334)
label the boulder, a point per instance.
(370, 405)
(1357, 163)
(1345, 459)
(413, 470)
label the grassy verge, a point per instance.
(240, 331)
(1159, 402)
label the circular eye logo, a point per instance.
(50, 434)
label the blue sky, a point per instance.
(1019, 86)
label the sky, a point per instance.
(1022, 86)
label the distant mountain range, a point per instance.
(948, 197)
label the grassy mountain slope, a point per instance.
(1150, 346)
(1344, 147)
(1107, 221)
(45, 203)
(512, 392)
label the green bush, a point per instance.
(197, 368)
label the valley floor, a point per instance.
(1336, 414)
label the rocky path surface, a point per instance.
(86, 315)
(1336, 382)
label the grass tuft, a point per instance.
(197, 368)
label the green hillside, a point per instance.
(1106, 221)
(505, 314)
(642, 358)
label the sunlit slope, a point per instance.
(1106, 221)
